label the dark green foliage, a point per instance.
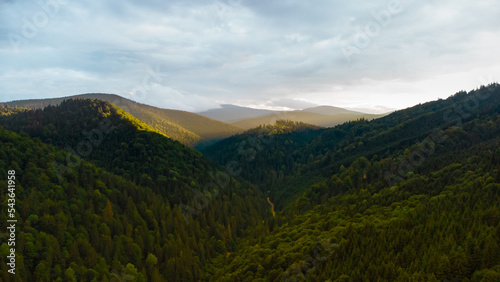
(298, 157)
(436, 220)
(78, 221)
(281, 127)
(268, 153)
(441, 225)
(413, 196)
(114, 140)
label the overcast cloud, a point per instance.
(194, 55)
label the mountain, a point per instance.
(247, 118)
(231, 113)
(409, 196)
(320, 116)
(188, 128)
(280, 127)
(330, 110)
(322, 151)
(102, 196)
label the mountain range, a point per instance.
(244, 117)
(101, 195)
(205, 128)
(188, 128)
(232, 113)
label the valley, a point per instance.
(111, 190)
(249, 141)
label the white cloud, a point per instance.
(170, 98)
(252, 52)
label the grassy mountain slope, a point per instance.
(188, 128)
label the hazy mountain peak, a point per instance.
(329, 110)
(233, 113)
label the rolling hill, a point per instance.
(232, 113)
(330, 110)
(244, 117)
(188, 128)
(324, 116)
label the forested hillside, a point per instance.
(432, 227)
(106, 135)
(102, 196)
(132, 205)
(268, 153)
(414, 195)
(188, 128)
(303, 156)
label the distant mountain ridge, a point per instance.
(307, 116)
(232, 113)
(247, 118)
(202, 129)
(330, 110)
(102, 196)
(188, 128)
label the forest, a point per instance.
(411, 196)
(83, 219)
(102, 196)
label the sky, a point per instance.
(373, 56)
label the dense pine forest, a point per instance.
(102, 196)
(120, 209)
(411, 196)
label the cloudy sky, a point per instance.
(193, 55)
